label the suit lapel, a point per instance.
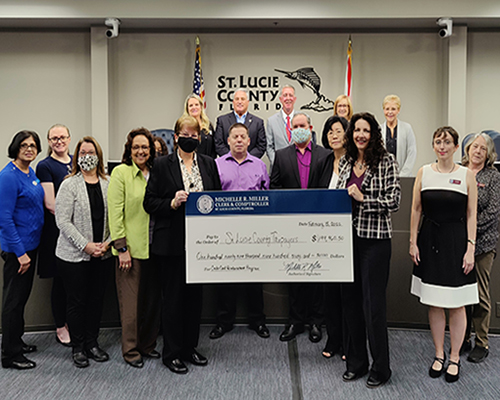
(175, 169)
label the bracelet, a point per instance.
(471, 241)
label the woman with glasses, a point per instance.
(137, 279)
(51, 171)
(333, 138)
(21, 221)
(172, 179)
(343, 107)
(83, 258)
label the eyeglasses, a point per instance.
(143, 148)
(54, 140)
(342, 105)
(26, 146)
(88, 153)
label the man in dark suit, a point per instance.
(300, 166)
(255, 125)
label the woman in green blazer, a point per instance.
(137, 279)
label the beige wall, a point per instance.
(151, 74)
(483, 82)
(44, 79)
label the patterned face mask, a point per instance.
(88, 162)
(300, 135)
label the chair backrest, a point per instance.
(492, 134)
(167, 135)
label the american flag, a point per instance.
(198, 86)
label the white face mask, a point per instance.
(300, 135)
(88, 162)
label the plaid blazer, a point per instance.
(382, 195)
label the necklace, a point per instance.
(452, 168)
(360, 164)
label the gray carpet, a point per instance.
(244, 366)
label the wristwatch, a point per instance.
(122, 250)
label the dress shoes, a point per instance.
(177, 366)
(350, 376)
(28, 348)
(436, 373)
(374, 382)
(65, 344)
(97, 354)
(261, 330)
(80, 359)
(22, 363)
(449, 377)
(139, 363)
(315, 334)
(153, 354)
(218, 332)
(196, 358)
(478, 354)
(290, 332)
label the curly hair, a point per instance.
(375, 150)
(127, 152)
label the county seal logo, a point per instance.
(205, 204)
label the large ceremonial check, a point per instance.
(269, 236)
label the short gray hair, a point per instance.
(304, 114)
(491, 155)
(287, 86)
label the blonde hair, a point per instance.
(392, 98)
(340, 98)
(49, 151)
(205, 122)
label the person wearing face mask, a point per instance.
(137, 278)
(301, 166)
(172, 178)
(83, 259)
(51, 171)
(194, 107)
(398, 136)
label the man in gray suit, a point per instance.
(279, 125)
(255, 125)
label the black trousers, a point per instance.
(181, 308)
(85, 283)
(306, 303)
(16, 291)
(365, 310)
(227, 295)
(58, 300)
(334, 318)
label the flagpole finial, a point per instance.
(197, 40)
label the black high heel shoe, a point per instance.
(434, 373)
(449, 377)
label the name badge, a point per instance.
(455, 181)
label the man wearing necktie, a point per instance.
(279, 126)
(255, 125)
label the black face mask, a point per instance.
(188, 144)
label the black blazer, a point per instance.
(165, 180)
(326, 177)
(285, 173)
(256, 131)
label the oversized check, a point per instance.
(269, 236)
